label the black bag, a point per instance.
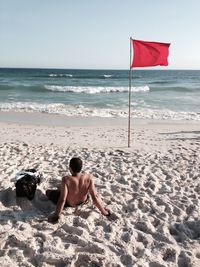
(26, 183)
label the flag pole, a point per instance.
(129, 98)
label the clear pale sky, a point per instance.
(95, 33)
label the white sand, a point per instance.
(152, 189)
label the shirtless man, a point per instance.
(74, 190)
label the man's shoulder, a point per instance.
(87, 176)
(66, 178)
(84, 176)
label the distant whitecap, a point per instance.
(107, 76)
(60, 75)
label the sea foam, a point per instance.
(80, 110)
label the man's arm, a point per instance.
(96, 199)
(61, 201)
(62, 198)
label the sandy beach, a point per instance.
(152, 190)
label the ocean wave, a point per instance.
(80, 110)
(58, 75)
(94, 90)
(23, 87)
(172, 88)
(107, 76)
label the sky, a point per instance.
(95, 34)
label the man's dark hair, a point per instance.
(76, 164)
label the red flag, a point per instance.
(147, 54)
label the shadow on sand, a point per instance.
(21, 209)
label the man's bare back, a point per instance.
(78, 188)
(74, 190)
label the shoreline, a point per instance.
(46, 119)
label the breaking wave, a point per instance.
(94, 90)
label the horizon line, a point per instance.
(56, 68)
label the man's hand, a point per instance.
(53, 218)
(111, 216)
(106, 213)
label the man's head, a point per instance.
(75, 165)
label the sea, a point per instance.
(155, 94)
